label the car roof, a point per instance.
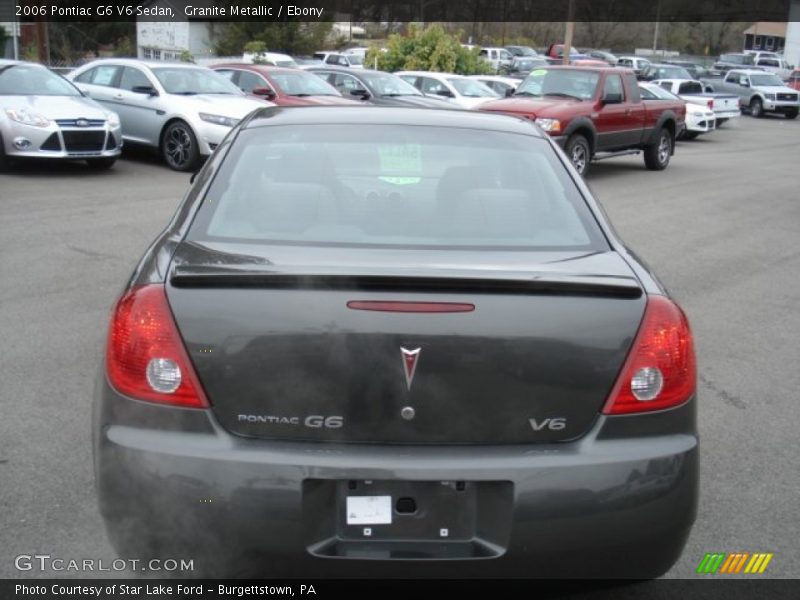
(135, 62)
(5, 62)
(750, 71)
(351, 71)
(382, 115)
(598, 68)
(432, 74)
(255, 67)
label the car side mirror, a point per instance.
(263, 91)
(445, 93)
(612, 98)
(360, 93)
(145, 89)
(510, 92)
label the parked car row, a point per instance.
(592, 109)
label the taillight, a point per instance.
(711, 104)
(660, 371)
(145, 356)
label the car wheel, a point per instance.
(656, 156)
(756, 108)
(690, 135)
(179, 147)
(579, 153)
(101, 164)
(791, 114)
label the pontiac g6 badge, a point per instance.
(410, 359)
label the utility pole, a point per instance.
(655, 32)
(570, 29)
(15, 37)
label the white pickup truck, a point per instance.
(725, 106)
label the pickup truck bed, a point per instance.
(725, 106)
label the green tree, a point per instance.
(428, 49)
(290, 37)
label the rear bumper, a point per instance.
(617, 503)
(727, 114)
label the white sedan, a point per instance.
(505, 86)
(699, 118)
(463, 91)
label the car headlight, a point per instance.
(27, 117)
(219, 120)
(549, 125)
(769, 96)
(112, 119)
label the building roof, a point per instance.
(767, 28)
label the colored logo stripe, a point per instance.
(731, 563)
(710, 563)
(758, 563)
(735, 562)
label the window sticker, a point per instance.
(400, 164)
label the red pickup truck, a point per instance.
(595, 113)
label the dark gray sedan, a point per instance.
(407, 342)
(378, 88)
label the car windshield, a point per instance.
(528, 64)
(300, 83)
(669, 73)
(385, 84)
(522, 51)
(395, 185)
(571, 83)
(657, 93)
(766, 79)
(738, 59)
(470, 88)
(189, 81)
(33, 80)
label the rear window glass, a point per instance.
(690, 87)
(406, 186)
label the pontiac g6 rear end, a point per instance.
(395, 341)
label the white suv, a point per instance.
(497, 57)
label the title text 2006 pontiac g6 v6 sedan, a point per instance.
(396, 341)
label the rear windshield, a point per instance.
(690, 87)
(400, 186)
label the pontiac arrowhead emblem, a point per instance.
(410, 359)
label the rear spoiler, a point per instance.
(524, 284)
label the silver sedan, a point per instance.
(42, 115)
(181, 109)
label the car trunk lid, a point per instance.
(291, 351)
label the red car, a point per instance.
(794, 80)
(596, 112)
(283, 86)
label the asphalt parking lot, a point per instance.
(720, 226)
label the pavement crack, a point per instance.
(723, 395)
(91, 253)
